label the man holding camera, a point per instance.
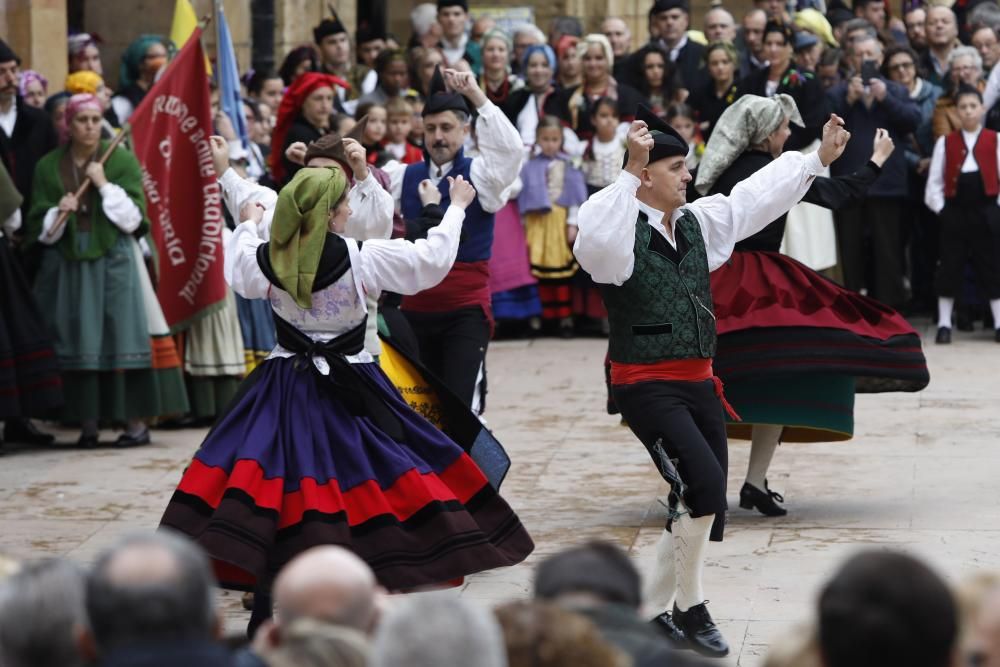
(867, 101)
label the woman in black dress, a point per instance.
(713, 96)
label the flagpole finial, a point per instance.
(205, 20)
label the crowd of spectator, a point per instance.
(148, 601)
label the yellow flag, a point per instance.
(185, 21)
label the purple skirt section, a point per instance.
(287, 420)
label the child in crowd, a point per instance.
(682, 118)
(374, 133)
(417, 126)
(342, 124)
(602, 160)
(396, 144)
(552, 193)
(963, 185)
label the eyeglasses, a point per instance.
(899, 67)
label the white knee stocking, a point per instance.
(995, 309)
(690, 544)
(946, 305)
(662, 586)
(764, 441)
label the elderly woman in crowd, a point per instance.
(33, 88)
(497, 80)
(304, 116)
(573, 106)
(656, 77)
(94, 289)
(715, 94)
(781, 76)
(965, 67)
(141, 62)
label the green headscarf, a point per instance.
(132, 58)
(298, 232)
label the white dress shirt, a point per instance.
(493, 171)
(934, 190)
(396, 265)
(454, 52)
(606, 239)
(8, 120)
(117, 207)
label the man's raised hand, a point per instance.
(464, 83)
(640, 142)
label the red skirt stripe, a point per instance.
(408, 495)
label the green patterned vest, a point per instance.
(664, 310)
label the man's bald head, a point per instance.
(150, 588)
(617, 32)
(720, 26)
(327, 584)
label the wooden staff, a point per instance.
(82, 190)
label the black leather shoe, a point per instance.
(126, 440)
(665, 624)
(700, 632)
(24, 431)
(88, 441)
(764, 501)
(943, 336)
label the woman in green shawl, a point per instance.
(93, 287)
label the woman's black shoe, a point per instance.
(19, 429)
(88, 441)
(700, 632)
(753, 498)
(126, 440)
(943, 336)
(665, 624)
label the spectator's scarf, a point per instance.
(749, 121)
(133, 57)
(27, 77)
(288, 111)
(298, 232)
(76, 104)
(543, 49)
(83, 81)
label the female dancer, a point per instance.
(319, 448)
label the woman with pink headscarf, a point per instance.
(33, 88)
(118, 363)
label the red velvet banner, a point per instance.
(170, 131)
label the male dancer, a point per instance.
(454, 320)
(652, 255)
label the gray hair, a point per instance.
(966, 52)
(173, 603)
(856, 24)
(984, 15)
(528, 29)
(39, 607)
(433, 629)
(310, 643)
(423, 17)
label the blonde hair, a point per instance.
(310, 643)
(541, 634)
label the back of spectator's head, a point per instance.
(149, 588)
(599, 569)
(883, 609)
(984, 15)
(434, 630)
(541, 634)
(41, 607)
(328, 584)
(309, 643)
(564, 25)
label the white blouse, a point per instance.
(115, 204)
(380, 264)
(606, 239)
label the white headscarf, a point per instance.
(749, 121)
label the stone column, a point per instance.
(36, 30)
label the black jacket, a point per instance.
(172, 654)
(34, 136)
(807, 92)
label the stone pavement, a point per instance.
(920, 475)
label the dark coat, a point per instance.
(33, 137)
(897, 113)
(807, 92)
(302, 131)
(172, 654)
(558, 104)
